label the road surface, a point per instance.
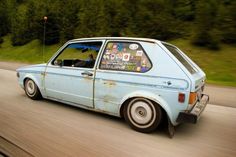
(47, 128)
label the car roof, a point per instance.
(117, 38)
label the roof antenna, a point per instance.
(44, 35)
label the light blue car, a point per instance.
(143, 80)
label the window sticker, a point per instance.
(109, 46)
(113, 56)
(138, 69)
(119, 56)
(139, 53)
(126, 57)
(114, 46)
(119, 46)
(133, 46)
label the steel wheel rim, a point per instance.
(141, 113)
(30, 87)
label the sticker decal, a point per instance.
(119, 56)
(114, 46)
(113, 56)
(139, 53)
(119, 47)
(138, 69)
(107, 52)
(109, 45)
(133, 46)
(126, 57)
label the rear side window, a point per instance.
(125, 56)
(177, 54)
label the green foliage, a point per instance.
(4, 23)
(68, 18)
(154, 21)
(209, 22)
(228, 22)
(1, 40)
(88, 19)
(20, 28)
(206, 21)
(182, 9)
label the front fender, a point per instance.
(151, 96)
(37, 80)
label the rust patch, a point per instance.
(109, 98)
(110, 83)
(87, 78)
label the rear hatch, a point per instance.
(194, 72)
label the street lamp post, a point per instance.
(44, 35)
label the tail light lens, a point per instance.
(192, 98)
(181, 97)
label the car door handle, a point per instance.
(86, 73)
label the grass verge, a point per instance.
(29, 53)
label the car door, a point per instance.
(69, 76)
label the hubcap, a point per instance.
(30, 87)
(141, 112)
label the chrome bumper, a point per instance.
(193, 115)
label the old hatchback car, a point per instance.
(139, 79)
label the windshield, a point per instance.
(178, 55)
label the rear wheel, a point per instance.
(31, 90)
(142, 115)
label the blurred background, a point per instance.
(204, 30)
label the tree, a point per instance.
(4, 21)
(88, 23)
(228, 22)
(20, 28)
(182, 9)
(206, 32)
(152, 19)
(68, 18)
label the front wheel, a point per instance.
(31, 90)
(142, 115)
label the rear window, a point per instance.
(178, 55)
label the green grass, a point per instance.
(220, 66)
(29, 53)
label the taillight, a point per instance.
(192, 97)
(181, 97)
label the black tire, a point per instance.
(32, 90)
(143, 115)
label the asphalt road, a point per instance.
(46, 128)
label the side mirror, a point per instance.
(58, 62)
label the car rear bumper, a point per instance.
(193, 115)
